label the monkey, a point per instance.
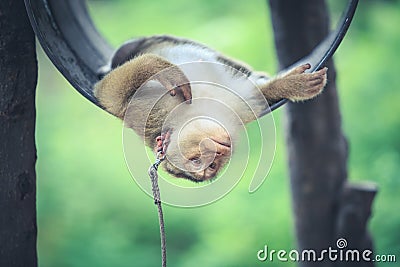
(162, 67)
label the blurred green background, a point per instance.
(91, 212)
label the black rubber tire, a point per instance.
(71, 41)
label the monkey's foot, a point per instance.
(299, 85)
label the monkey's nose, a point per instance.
(222, 149)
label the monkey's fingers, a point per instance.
(175, 81)
(184, 89)
(321, 72)
(316, 82)
(300, 69)
(167, 84)
(316, 78)
(172, 92)
(187, 92)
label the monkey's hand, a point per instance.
(151, 66)
(303, 86)
(296, 85)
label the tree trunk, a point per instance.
(18, 77)
(317, 148)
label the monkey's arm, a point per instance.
(296, 85)
(116, 89)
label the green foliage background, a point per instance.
(91, 213)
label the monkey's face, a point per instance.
(199, 150)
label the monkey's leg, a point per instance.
(115, 90)
(296, 85)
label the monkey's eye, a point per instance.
(213, 166)
(196, 160)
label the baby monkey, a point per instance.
(212, 96)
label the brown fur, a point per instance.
(116, 88)
(202, 148)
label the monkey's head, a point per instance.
(198, 150)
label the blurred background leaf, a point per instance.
(91, 212)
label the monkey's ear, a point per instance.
(126, 52)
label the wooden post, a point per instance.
(354, 211)
(317, 148)
(18, 77)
